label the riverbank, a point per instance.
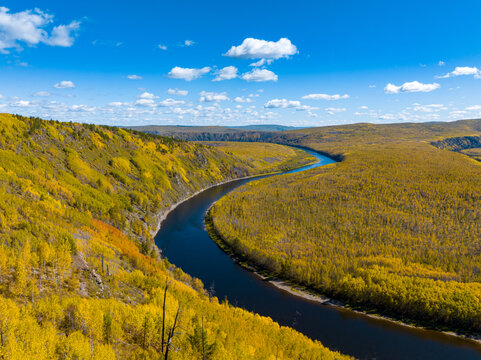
(313, 296)
(162, 215)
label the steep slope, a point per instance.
(79, 275)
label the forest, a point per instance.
(80, 275)
(394, 227)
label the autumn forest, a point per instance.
(80, 277)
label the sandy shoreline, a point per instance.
(324, 300)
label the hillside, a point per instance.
(210, 133)
(192, 133)
(265, 127)
(79, 274)
(394, 227)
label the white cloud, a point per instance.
(306, 108)
(134, 77)
(28, 27)
(187, 74)
(414, 86)
(325, 97)
(171, 102)
(212, 96)
(372, 86)
(333, 110)
(63, 35)
(177, 92)
(107, 43)
(226, 73)
(429, 108)
(391, 89)
(42, 94)
(188, 43)
(21, 103)
(387, 117)
(117, 103)
(242, 99)
(463, 71)
(474, 108)
(162, 47)
(145, 102)
(82, 108)
(282, 104)
(259, 75)
(262, 49)
(457, 114)
(147, 95)
(262, 62)
(64, 85)
(54, 105)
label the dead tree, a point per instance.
(172, 333)
(167, 284)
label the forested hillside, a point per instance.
(395, 226)
(268, 157)
(80, 277)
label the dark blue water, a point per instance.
(184, 241)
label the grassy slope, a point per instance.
(394, 226)
(78, 274)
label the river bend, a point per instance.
(185, 242)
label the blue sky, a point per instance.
(302, 63)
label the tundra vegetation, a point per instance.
(80, 277)
(394, 227)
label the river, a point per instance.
(185, 242)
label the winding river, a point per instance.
(185, 242)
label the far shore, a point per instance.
(310, 295)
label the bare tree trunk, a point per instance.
(42, 269)
(171, 334)
(203, 340)
(163, 315)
